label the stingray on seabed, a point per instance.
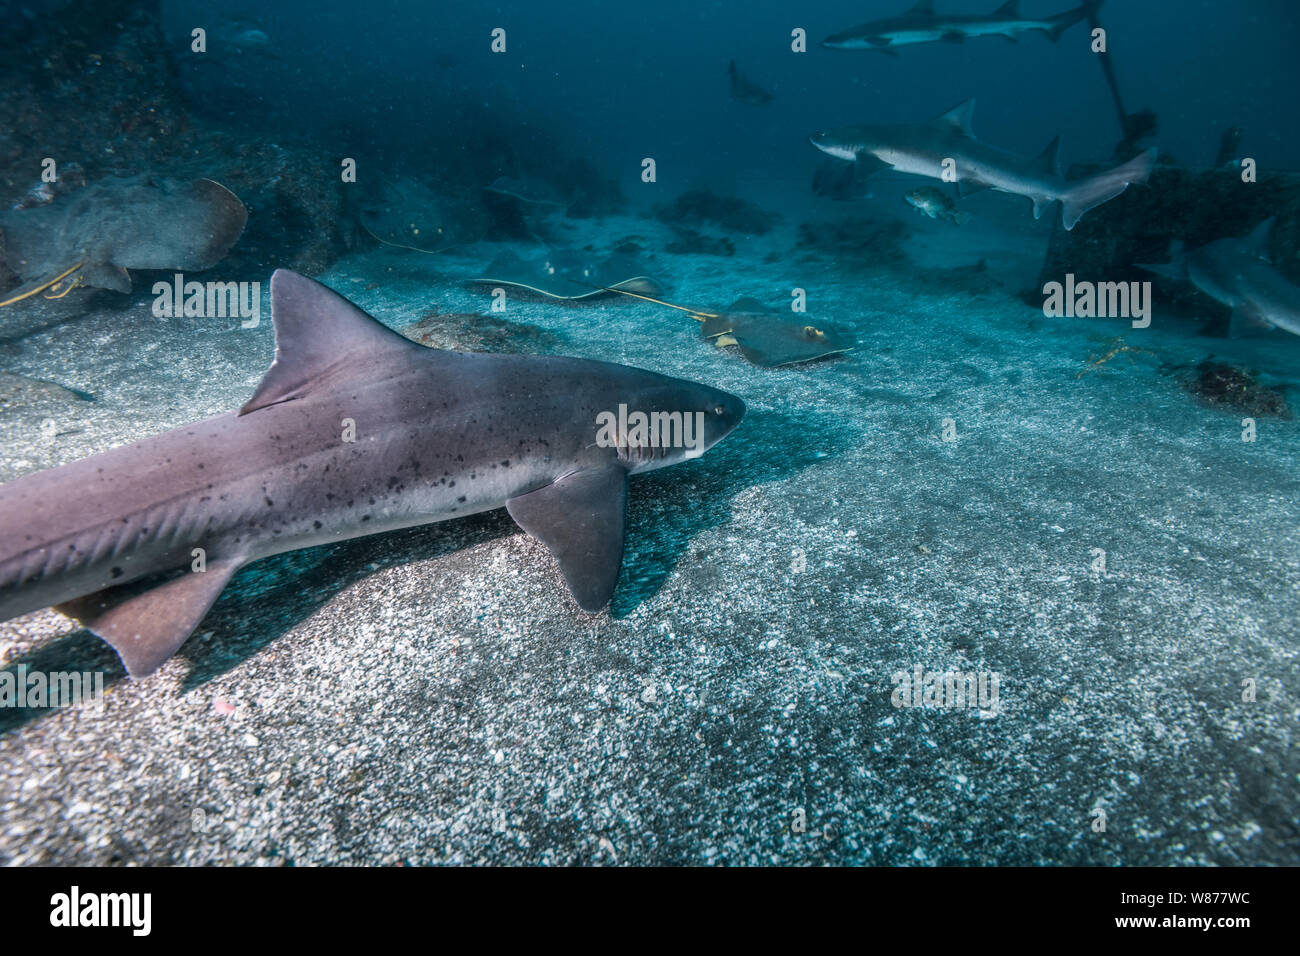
(765, 336)
(569, 275)
(91, 237)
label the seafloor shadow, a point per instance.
(670, 507)
(666, 510)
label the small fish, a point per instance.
(928, 201)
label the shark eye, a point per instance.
(719, 410)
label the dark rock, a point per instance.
(1221, 385)
(693, 242)
(701, 206)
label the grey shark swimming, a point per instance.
(945, 148)
(1238, 273)
(354, 430)
(921, 24)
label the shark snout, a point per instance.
(728, 410)
(720, 413)
(833, 146)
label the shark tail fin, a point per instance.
(1095, 190)
(1066, 20)
(1175, 268)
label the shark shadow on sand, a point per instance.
(269, 599)
(660, 530)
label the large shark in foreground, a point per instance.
(922, 25)
(433, 435)
(945, 148)
(1238, 273)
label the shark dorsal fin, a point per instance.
(923, 8)
(1257, 241)
(1049, 160)
(959, 117)
(1009, 9)
(316, 332)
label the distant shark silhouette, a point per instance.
(925, 149)
(922, 25)
(745, 89)
(1238, 273)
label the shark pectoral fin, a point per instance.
(968, 187)
(867, 165)
(146, 628)
(1246, 318)
(580, 520)
(316, 332)
(105, 275)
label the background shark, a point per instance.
(922, 149)
(1238, 273)
(438, 435)
(922, 25)
(746, 90)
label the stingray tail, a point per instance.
(696, 314)
(26, 292)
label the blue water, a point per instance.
(975, 488)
